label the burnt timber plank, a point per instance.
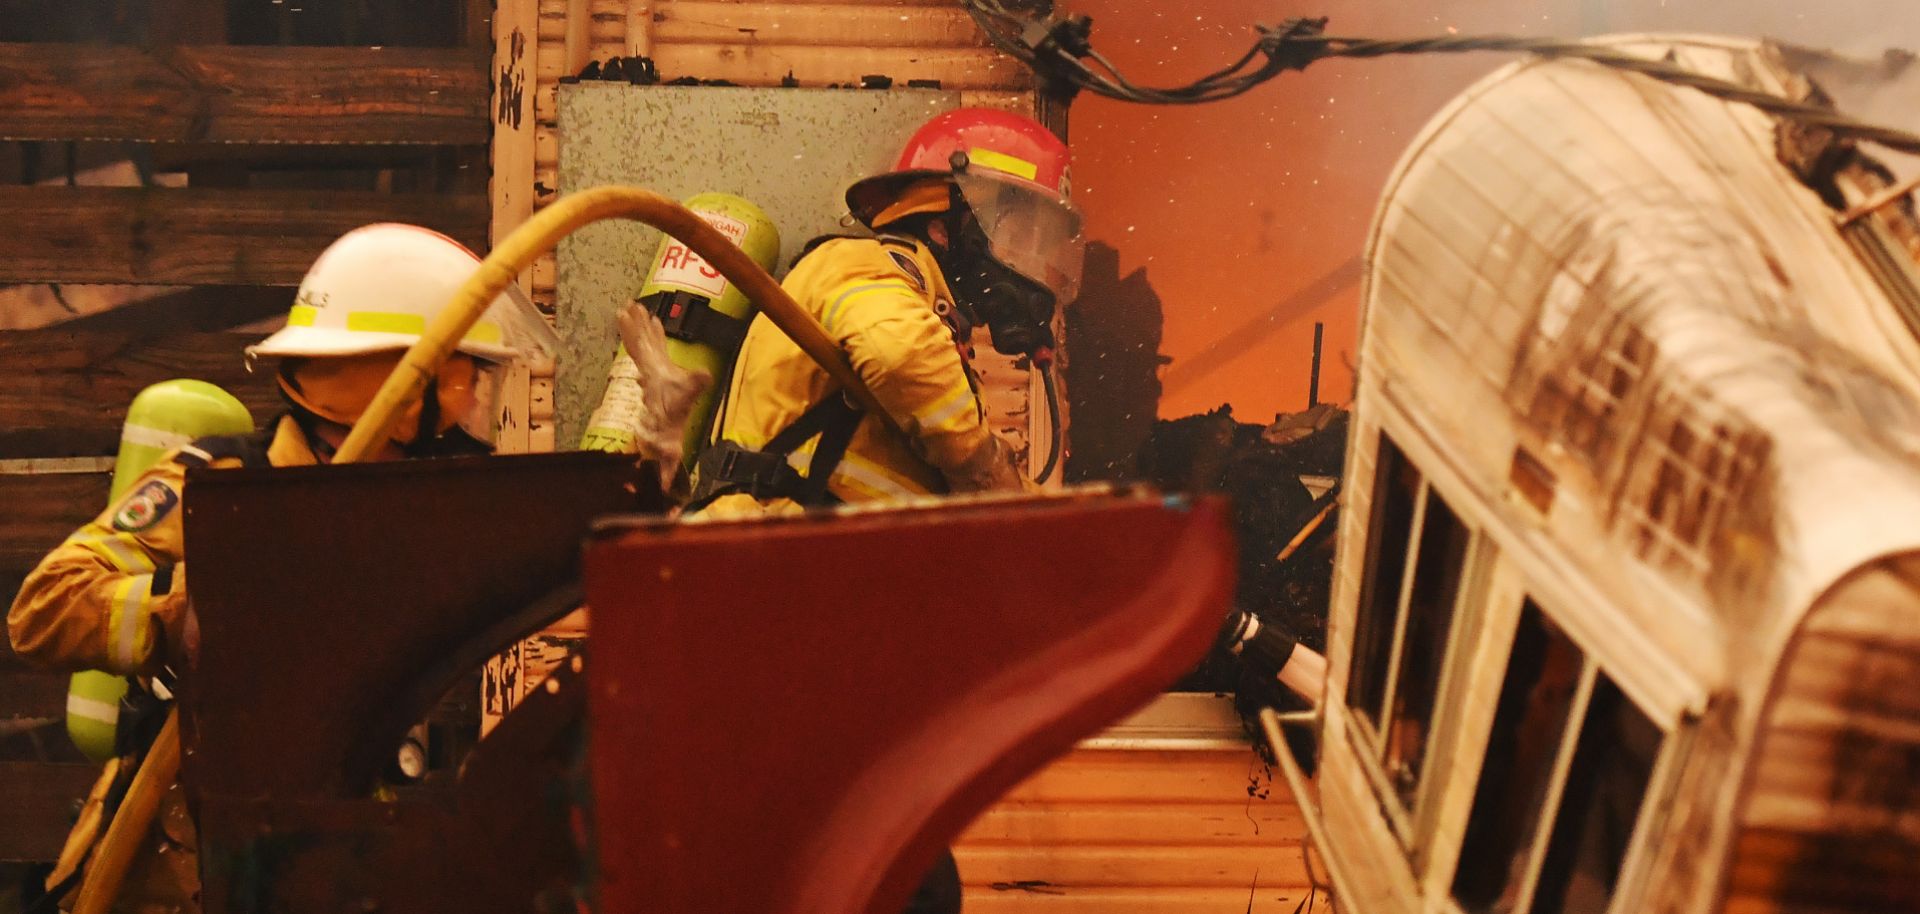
(40, 802)
(244, 94)
(67, 390)
(41, 510)
(26, 693)
(188, 236)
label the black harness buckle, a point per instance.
(691, 318)
(728, 467)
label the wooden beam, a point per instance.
(40, 803)
(42, 510)
(511, 191)
(201, 236)
(243, 94)
(67, 393)
(27, 693)
(786, 24)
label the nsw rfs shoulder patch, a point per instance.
(145, 507)
(907, 266)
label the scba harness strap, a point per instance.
(728, 468)
(691, 318)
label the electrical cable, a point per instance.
(1060, 50)
(1053, 424)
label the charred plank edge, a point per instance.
(188, 236)
(69, 388)
(39, 799)
(243, 94)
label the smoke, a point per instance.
(1859, 27)
(1870, 70)
(1240, 209)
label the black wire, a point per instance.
(1053, 425)
(1047, 45)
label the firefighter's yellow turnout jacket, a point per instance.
(880, 300)
(113, 597)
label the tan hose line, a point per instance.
(539, 235)
(128, 828)
(421, 364)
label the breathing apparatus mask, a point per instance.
(1014, 252)
(458, 412)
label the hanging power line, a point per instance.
(1060, 49)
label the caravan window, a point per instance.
(1415, 562)
(1395, 485)
(1606, 788)
(1437, 571)
(1529, 725)
(1549, 684)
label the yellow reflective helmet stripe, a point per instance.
(1000, 161)
(833, 311)
(127, 622)
(392, 322)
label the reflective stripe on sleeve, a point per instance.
(833, 311)
(120, 550)
(949, 407)
(127, 621)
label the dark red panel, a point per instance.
(796, 715)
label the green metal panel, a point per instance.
(792, 151)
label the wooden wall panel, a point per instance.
(1162, 831)
(243, 94)
(67, 390)
(809, 24)
(39, 802)
(201, 236)
(42, 508)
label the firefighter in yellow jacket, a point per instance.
(113, 596)
(973, 228)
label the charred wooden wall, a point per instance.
(169, 169)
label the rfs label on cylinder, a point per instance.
(682, 269)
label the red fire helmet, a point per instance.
(1013, 173)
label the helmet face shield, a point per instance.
(524, 329)
(1031, 231)
(476, 408)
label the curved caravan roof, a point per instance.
(1624, 279)
(1633, 349)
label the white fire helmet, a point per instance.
(375, 290)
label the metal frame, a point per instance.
(1270, 722)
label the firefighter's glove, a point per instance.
(667, 391)
(990, 468)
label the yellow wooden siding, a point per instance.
(1139, 830)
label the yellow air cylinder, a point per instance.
(161, 418)
(704, 315)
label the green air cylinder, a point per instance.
(704, 315)
(161, 418)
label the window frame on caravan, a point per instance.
(1499, 576)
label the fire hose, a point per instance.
(420, 365)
